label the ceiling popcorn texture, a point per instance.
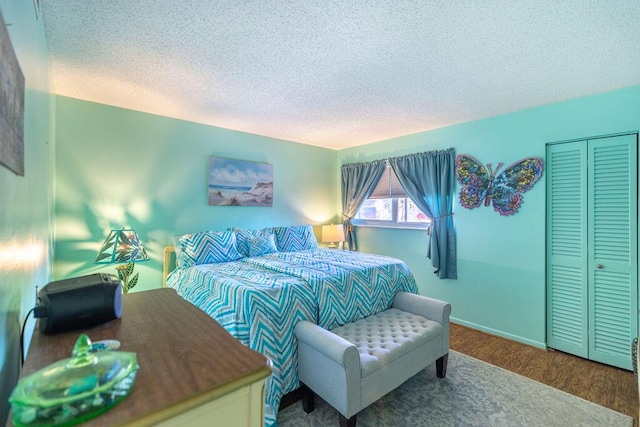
(339, 73)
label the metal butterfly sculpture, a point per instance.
(504, 189)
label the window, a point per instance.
(390, 206)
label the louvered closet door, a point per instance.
(613, 276)
(592, 239)
(567, 263)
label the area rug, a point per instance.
(474, 393)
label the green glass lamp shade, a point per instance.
(74, 390)
(121, 246)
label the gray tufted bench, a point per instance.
(353, 365)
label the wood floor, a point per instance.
(602, 384)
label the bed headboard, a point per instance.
(168, 263)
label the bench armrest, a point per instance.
(329, 344)
(429, 308)
(330, 366)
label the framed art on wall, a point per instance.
(11, 105)
(239, 183)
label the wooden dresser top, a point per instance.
(185, 357)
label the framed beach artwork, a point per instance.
(11, 105)
(239, 183)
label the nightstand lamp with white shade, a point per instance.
(333, 234)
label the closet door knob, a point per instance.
(599, 266)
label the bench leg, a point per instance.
(441, 366)
(351, 422)
(308, 399)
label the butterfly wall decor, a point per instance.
(504, 189)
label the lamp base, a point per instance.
(125, 273)
(332, 245)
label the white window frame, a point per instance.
(390, 185)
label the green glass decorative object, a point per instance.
(74, 390)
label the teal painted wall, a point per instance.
(118, 167)
(26, 202)
(501, 260)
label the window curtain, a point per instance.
(358, 182)
(429, 179)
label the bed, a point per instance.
(259, 283)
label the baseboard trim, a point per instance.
(498, 333)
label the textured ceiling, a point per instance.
(339, 73)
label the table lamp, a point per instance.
(333, 234)
(123, 247)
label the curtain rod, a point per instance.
(388, 159)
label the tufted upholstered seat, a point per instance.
(386, 336)
(353, 365)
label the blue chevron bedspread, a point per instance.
(259, 300)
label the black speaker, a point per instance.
(80, 302)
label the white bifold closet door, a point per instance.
(592, 248)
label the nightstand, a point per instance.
(192, 371)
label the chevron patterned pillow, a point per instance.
(244, 234)
(295, 238)
(261, 244)
(207, 247)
